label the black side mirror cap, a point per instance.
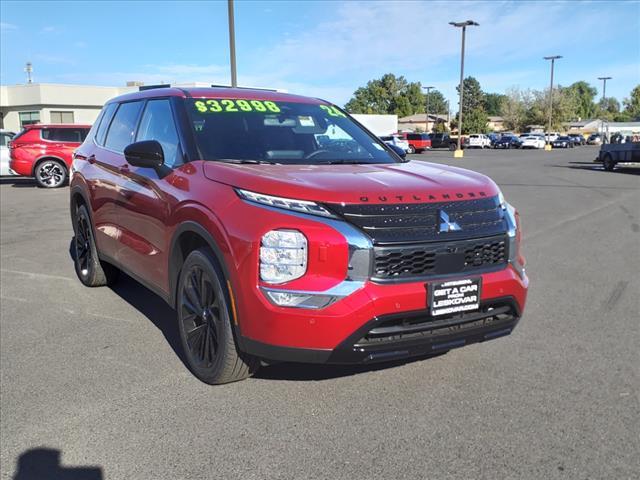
(398, 150)
(145, 154)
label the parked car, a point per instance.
(594, 139)
(418, 142)
(270, 247)
(443, 140)
(396, 140)
(562, 142)
(550, 137)
(494, 137)
(532, 141)
(508, 141)
(45, 151)
(478, 140)
(577, 139)
(5, 137)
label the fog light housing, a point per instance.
(283, 256)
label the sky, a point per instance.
(322, 49)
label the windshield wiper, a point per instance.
(240, 161)
(345, 162)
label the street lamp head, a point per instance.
(605, 78)
(428, 88)
(553, 57)
(468, 23)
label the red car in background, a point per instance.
(45, 152)
(418, 142)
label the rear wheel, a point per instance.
(50, 174)
(411, 149)
(452, 147)
(204, 321)
(90, 270)
(608, 163)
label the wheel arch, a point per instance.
(188, 236)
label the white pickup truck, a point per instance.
(478, 140)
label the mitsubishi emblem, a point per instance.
(446, 225)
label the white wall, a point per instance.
(378, 124)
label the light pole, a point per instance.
(427, 108)
(232, 44)
(604, 97)
(458, 153)
(604, 86)
(553, 59)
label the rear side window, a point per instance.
(123, 126)
(76, 135)
(157, 124)
(105, 120)
(417, 136)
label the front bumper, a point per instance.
(385, 322)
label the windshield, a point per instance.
(280, 132)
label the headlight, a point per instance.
(283, 256)
(303, 206)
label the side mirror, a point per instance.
(398, 150)
(146, 154)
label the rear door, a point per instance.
(61, 142)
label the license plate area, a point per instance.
(454, 296)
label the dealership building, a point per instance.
(26, 104)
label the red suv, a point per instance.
(281, 230)
(418, 142)
(45, 152)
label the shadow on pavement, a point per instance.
(164, 318)
(310, 372)
(149, 304)
(19, 182)
(44, 464)
(597, 167)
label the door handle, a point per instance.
(124, 168)
(91, 159)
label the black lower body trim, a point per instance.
(393, 337)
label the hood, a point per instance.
(411, 182)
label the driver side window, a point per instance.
(157, 124)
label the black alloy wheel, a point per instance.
(91, 271)
(204, 322)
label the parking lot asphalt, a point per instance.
(91, 380)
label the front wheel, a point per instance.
(411, 149)
(204, 321)
(452, 147)
(50, 174)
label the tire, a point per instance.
(51, 173)
(411, 149)
(452, 147)
(608, 163)
(90, 270)
(204, 322)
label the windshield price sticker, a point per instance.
(236, 105)
(455, 296)
(332, 111)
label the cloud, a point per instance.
(4, 27)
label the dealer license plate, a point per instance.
(454, 296)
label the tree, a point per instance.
(474, 117)
(583, 95)
(493, 103)
(514, 109)
(388, 95)
(632, 104)
(437, 103)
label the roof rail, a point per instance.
(142, 88)
(246, 88)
